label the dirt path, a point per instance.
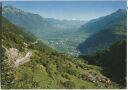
(23, 60)
(17, 58)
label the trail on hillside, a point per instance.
(23, 60)
(17, 58)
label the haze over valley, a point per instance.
(64, 45)
(62, 35)
(59, 34)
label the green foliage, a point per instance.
(109, 33)
(19, 37)
(69, 84)
(71, 71)
(113, 60)
(65, 75)
(117, 62)
(47, 69)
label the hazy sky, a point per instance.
(82, 10)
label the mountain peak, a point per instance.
(11, 9)
(9, 6)
(120, 10)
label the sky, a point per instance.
(70, 10)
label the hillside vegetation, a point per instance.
(113, 61)
(107, 46)
(29, 63)
(46, 68)
(104, 22)
(107, 35)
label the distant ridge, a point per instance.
(47, 29)
(98, 24)
(113, 30)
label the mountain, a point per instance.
(107, 35)
(101, 23)
(28, 63)
(56, 33)
(65, 24)
(29, 21)
(36, 23)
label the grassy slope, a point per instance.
(47, 68)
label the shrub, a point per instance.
(69, 84)
(65, 76)
(71, 71)
(83, 87)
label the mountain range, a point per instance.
(104, 22)
(106, 29)
(56, 33)
(40, 24)
(70, 36)
(29, 63)
(46, 67)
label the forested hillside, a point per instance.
(113, 60)
(45, 68)
(107, 47)
(37, 51)
(106, 36)
(104, 22)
